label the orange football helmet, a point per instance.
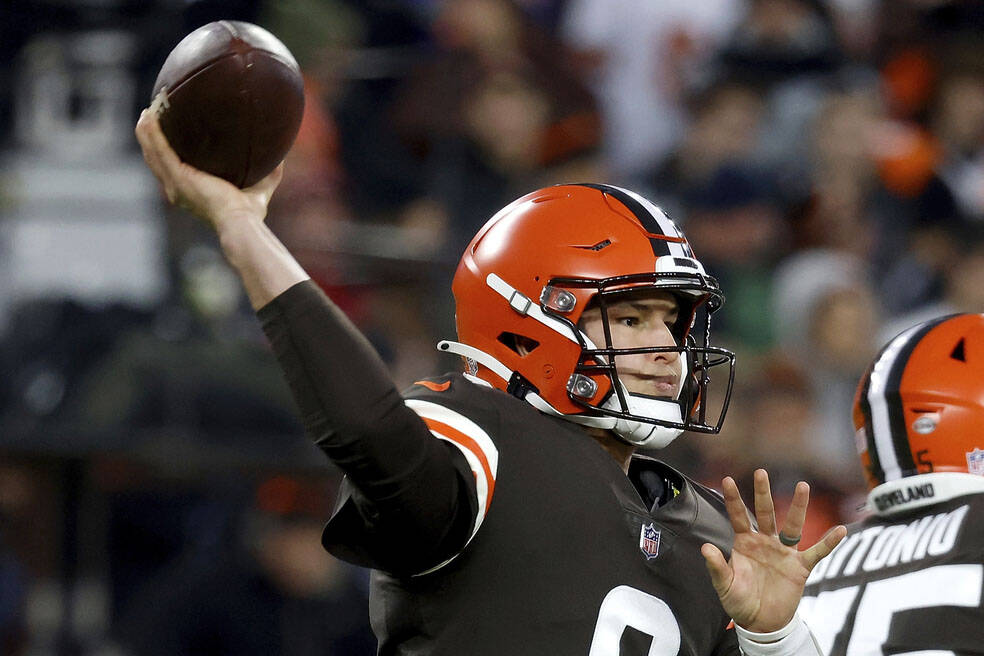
(531, 271)
(920, 406)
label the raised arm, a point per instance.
(265, 265)
(406, 480)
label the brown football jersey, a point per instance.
(568, 555)
(908, 579)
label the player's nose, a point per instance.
(660, 335)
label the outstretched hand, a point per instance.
(761, 586)
(211, 198)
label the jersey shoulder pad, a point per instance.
(711, 521)
(435, 385)
(462, 414)
(714, 497)
(711, 496)
(453, 384)
(459, 395)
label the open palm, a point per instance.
(761, 585)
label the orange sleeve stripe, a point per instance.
(460, 438)
(434, 387)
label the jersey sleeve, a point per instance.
(474, 444)
(355, 534)
(409, 499)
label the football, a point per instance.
(230, 97)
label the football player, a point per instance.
(502, 509)
(909, 578)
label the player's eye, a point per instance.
(628, 322)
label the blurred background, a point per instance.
(825, 158)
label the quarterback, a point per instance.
(910, 576)
(502, 509)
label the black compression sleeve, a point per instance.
(354, 413)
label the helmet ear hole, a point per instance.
(958, 351)
(519, 344)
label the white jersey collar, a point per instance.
(922, 490)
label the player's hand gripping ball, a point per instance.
(230, 97)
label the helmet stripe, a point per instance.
(888, 420)
(878, 392)
(869, 433)
(651, 218)
(666, 225)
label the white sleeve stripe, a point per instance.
(481, 484)
(464, 425)
(461, 423)
(481, 492)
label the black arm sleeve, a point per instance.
(405, 479)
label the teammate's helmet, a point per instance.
(920, 406)
(526, 279)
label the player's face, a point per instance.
(637, 321)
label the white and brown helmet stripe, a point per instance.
(666, 236)
(885, 430)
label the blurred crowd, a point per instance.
(824, 157)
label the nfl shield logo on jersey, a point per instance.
(975, 462)
(649, 541)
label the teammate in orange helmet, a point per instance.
(503, 509)
(910, 577)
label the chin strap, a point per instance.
(634, 432)
(594, 421)
(505, 373)
(475, 355)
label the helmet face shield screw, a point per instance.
(559, 300)
(581, 386)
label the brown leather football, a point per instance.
(234, 100)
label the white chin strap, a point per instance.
(644, 434)
(640, 433)
(637, 433)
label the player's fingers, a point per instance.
(765, 510)
(718, 568)
(159, 143)
(737, 512)
(796, 516)
(143, 134)
(822, 549)
(265, 187)
(184, 185)
(160, 157)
